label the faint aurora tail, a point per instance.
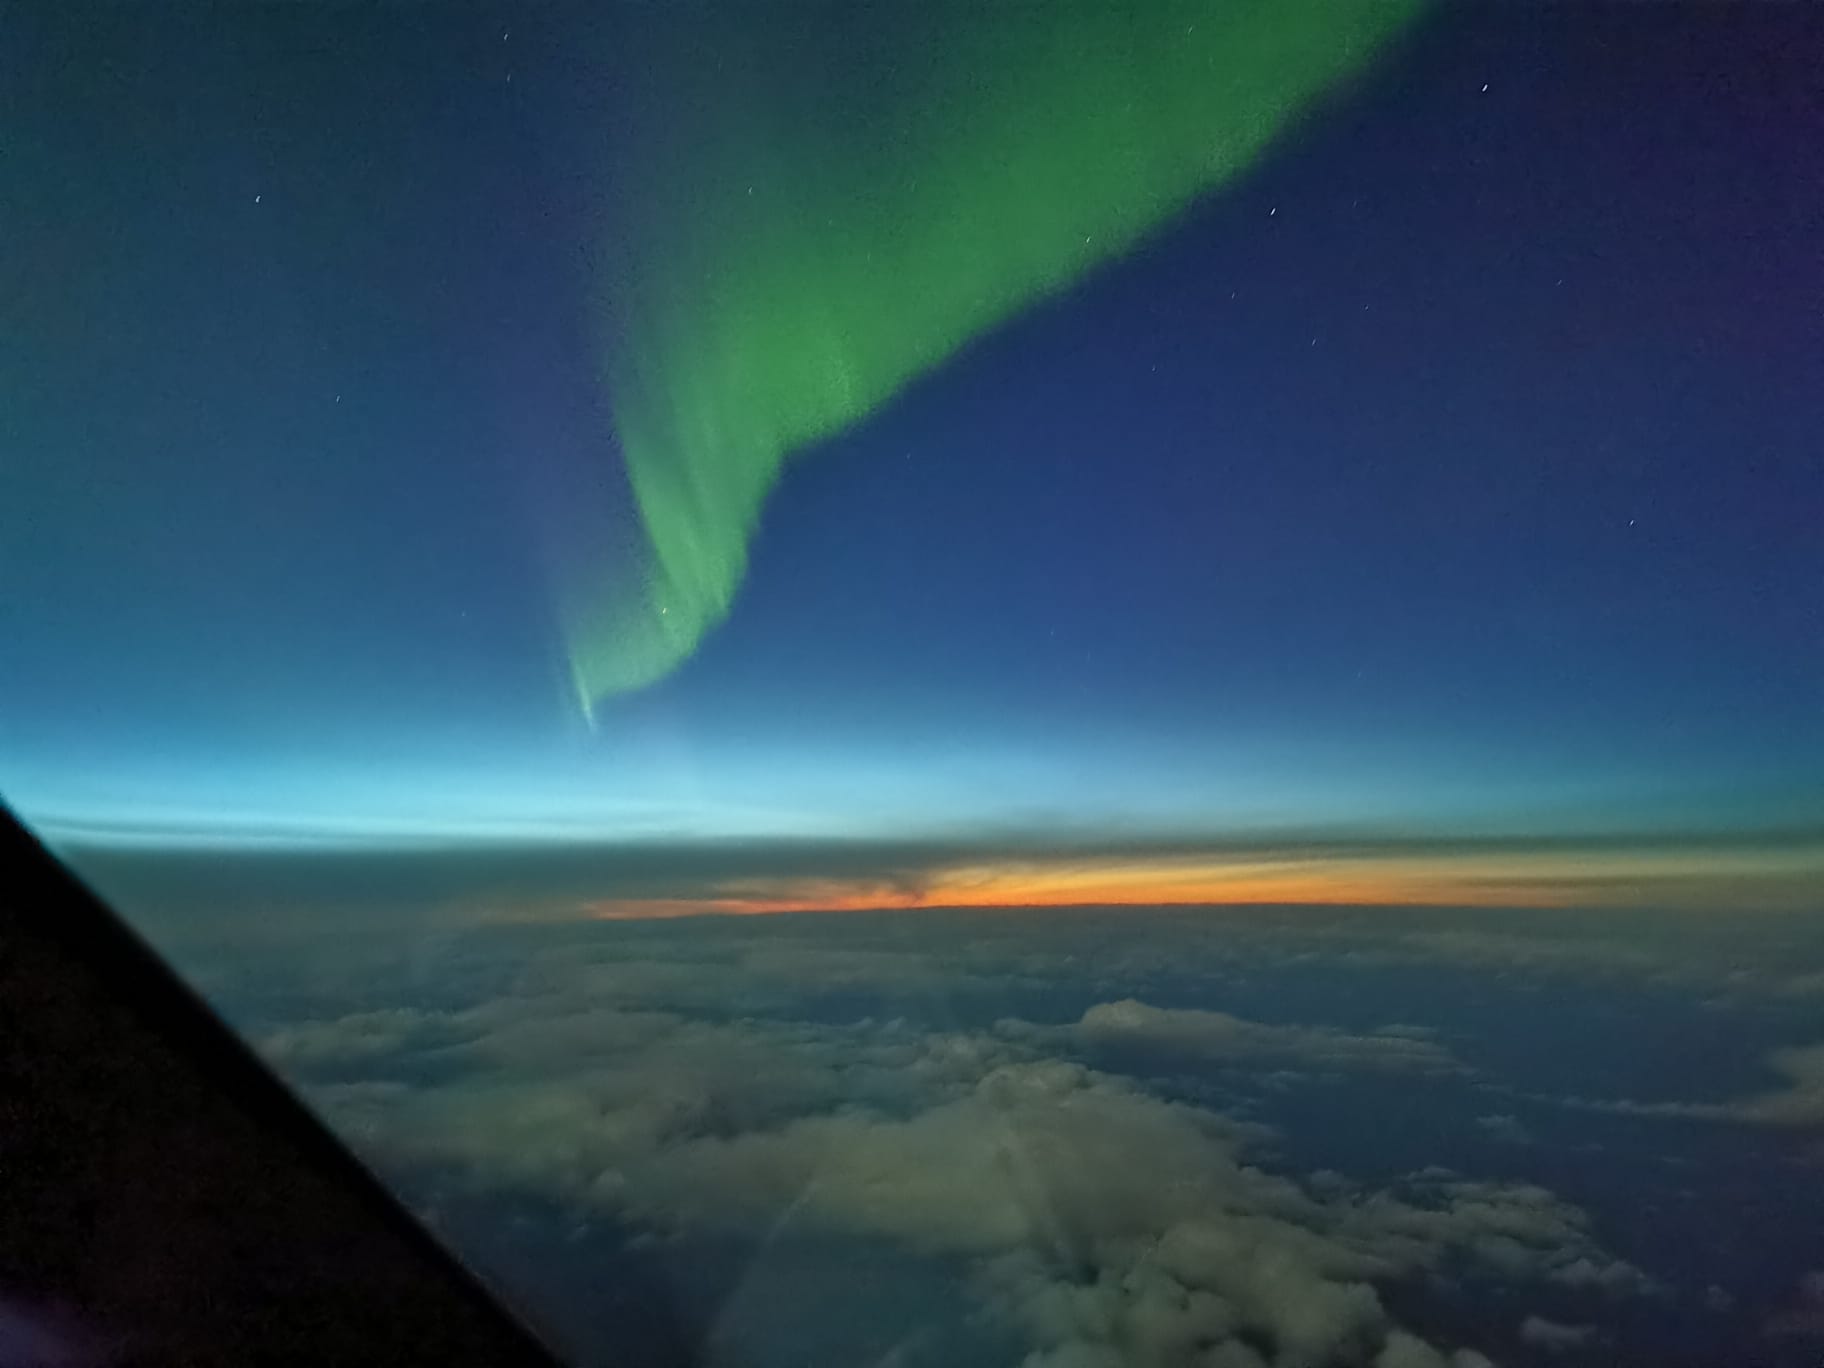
(811, 209)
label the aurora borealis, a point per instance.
(806, 220)
(1306, 453)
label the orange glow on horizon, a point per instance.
(1610, 879)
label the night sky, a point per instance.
(1423, 504)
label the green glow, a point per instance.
(810, 212)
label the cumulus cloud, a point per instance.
(1505, 1127)
(1218, 1037)
(1104, 1224)
(1408, 1351)
(1799, 1104)
(1106, 1221)
(1801, 1101)
(353, 1038)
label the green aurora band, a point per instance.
(812, 210)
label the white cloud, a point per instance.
(1106, 1224)
(1408, 1351)
(1799, 1103)
(1506, 1128)
(1219, 1037)
(352, 1038)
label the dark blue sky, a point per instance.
(1456, 468)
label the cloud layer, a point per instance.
(1098, 1221)
(185, 877)
(1145, 1137)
